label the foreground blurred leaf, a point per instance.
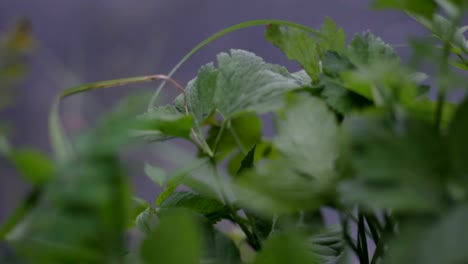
(285, 248)
(176, 239)
(424, 8)
(401, 166)
(157, 175)
(212, 209)
(458, 142)
(307, 136)
(219, 248)
(33, 165)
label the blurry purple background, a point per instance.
(91, 40)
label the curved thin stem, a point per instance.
(20, 212)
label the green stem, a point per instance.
(223, 32)
(20, 212)
(364, 256)
(252, 239)
(443, 72)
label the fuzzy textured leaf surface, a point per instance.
(307, 134)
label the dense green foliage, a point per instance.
(356, 132)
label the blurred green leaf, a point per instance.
(285, 248)
(156, 174)
(400, 166)
(176, 239)
(424, 8)
(275, 187)
(34, 166)
(327, 244)
(212, 209)
(219, 248)
(458, 142)
(162, 122)
(146, 220)
(307, 133)
(244, 130)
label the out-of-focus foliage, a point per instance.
(356, 132)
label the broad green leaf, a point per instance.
(33, 165)
(307, 134)
(297, 45)
(163, 122)
(176, 239)
(212, 209)
(200, 94)
(286, 248)
(424, 8)
(369, 49)
(157, 175)
(401, 166)
(246, 83)
(241, 132)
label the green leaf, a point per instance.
(176, 239)
(458, 141)
(369, 49)
(307, 133)
(401, 166)
(212, 209)
(248, 161)
(297, 45)
(441, 240)
(200, 94)
(327, 244)
(162, 122)
(33, 165)
(219, 248)
(275, 188)
(424, 8)
(246, 83)
(331, 38)
(285, 248)
(157, 175)
(146, 220)
(263, 149)
(341, 99)
(242, 131)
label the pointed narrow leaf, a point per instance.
(157, 175)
